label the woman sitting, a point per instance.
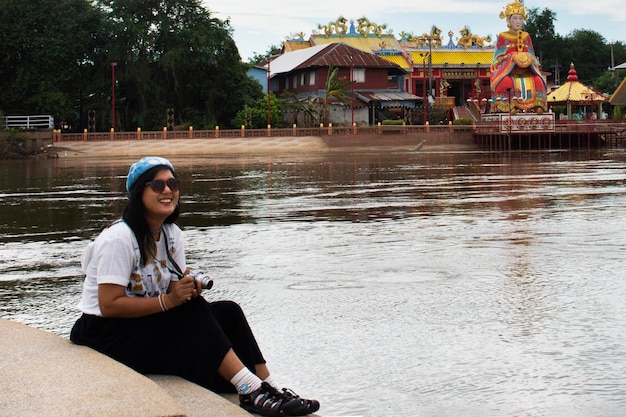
(142, 306)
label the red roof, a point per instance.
(336, 54)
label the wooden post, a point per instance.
(138, 133)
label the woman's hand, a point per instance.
(181, 291)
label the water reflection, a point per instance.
(436, 284)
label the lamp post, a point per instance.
(352, 92)
(352, 89)
(430, 67)
(268, 92)
(113, 65)
(428, 39)
(424, 95)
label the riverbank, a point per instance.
(257, 146)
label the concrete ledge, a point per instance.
(198, 401)
(47, 375)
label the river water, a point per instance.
(383, 284)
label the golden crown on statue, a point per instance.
(514, 7)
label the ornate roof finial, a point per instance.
(572, 76)
(514, 7)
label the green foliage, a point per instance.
(309, 109)
(170, 54)
(335, 87)
(587, 49)
(12, 144)
(590, 54)
(463, 121)
(547, 43)
(271, 51)
(606, 83)
(540, 24)
(619, 52)
(388, 122)
(173, 54)
(48, 55)
(256, 117)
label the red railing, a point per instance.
(112, 135)
(609, 126)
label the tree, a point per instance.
(590, 53)
(255, 117)
(48, 56)
(271, 51)
(547, 43)
(174, 55)
(335, 87)
(540, 25)
(606, 83)
(309, 108)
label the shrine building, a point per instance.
(445, 69)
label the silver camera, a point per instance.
(205, 281)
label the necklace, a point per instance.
(157, 231)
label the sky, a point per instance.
(260, 24)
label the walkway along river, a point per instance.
(486, 135)
(383, 283)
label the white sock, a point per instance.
(270, 381)
(245, 381)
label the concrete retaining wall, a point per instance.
(46, 375)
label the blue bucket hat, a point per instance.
(144, 164)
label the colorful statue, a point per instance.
(515, 70)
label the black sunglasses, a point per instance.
(159, 185)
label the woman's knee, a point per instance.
(230, 307)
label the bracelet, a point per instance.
(161, 303)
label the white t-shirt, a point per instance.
(113, 258)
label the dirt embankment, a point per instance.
(261, 145)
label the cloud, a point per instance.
(613, 9)
(258, 25)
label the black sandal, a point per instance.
(306, 407)
(269, 402)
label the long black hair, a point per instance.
(135, 214)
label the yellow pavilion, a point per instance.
(573, 94)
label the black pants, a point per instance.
(189, 341)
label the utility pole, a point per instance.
(113, 65)
(269, 60)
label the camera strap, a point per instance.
(177, 271)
